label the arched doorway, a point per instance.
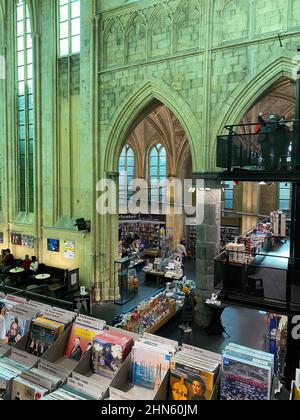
(156, 150)
(260, 198)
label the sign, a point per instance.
(70, 250)
(28, 241)
(16, 239)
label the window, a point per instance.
(25, 104)
(228, 195)
(157, 174)
(126, 174)
(284, 196)
(69, 27)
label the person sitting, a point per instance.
(34, 266)
(26, 263)
(8, 261)
(2, 257)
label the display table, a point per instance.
(16, 272)
(154, 276)
(216, 327)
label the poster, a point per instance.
(69, 250)
(53, 245)
(16, 239)
(28, 241)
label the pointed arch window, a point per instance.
(157, 174)
(69, 27)
(25, 104)
(126, 174)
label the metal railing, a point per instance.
(275, 148)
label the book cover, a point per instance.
(110, 349)
(41, 337)
(190, 383)
(242, 380)
(16, 328)
(149, 367)
(23, 390)
(59, 325)
(80, 341)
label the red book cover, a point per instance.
(110, 349)
(80, 341)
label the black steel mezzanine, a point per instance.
(271, 155)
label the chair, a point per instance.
(255, 286)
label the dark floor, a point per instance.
(108, 311)
(244, 326)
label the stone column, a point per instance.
(250, 205)
(208, 247)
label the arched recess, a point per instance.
(34, 8)
(249, 94)
(2, 11)
(136, 38)
(235, 20)
(160, 31)
(187, 25)
(140, 104)
(113, 44)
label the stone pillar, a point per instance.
(250, 205)
(208, 247)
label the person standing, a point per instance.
(265, 143)
(281, 142)
(188, 310)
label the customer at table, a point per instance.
(26, 263)
(2, 258)
(8, 261)
(34, 266)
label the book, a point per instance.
(244, 379)
(42, 336)
(24, 390)
(110, 349)
(80, 341)
(149, 366)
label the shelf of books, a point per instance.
(48, 353)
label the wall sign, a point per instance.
(70, 250)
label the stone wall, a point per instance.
(207, 60)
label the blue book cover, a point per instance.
(244, 380)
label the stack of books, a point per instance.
(77, 389)
(194, 374)
(11, 367)
(247, 374)
(110, 349)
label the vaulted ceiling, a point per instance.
(280, 99)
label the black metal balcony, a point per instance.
(269, 281)
(273, 154)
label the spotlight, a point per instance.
(262, 183)
(83, 225)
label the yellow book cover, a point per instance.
(297, 394)
(55, 324)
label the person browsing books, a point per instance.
(188, 310)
